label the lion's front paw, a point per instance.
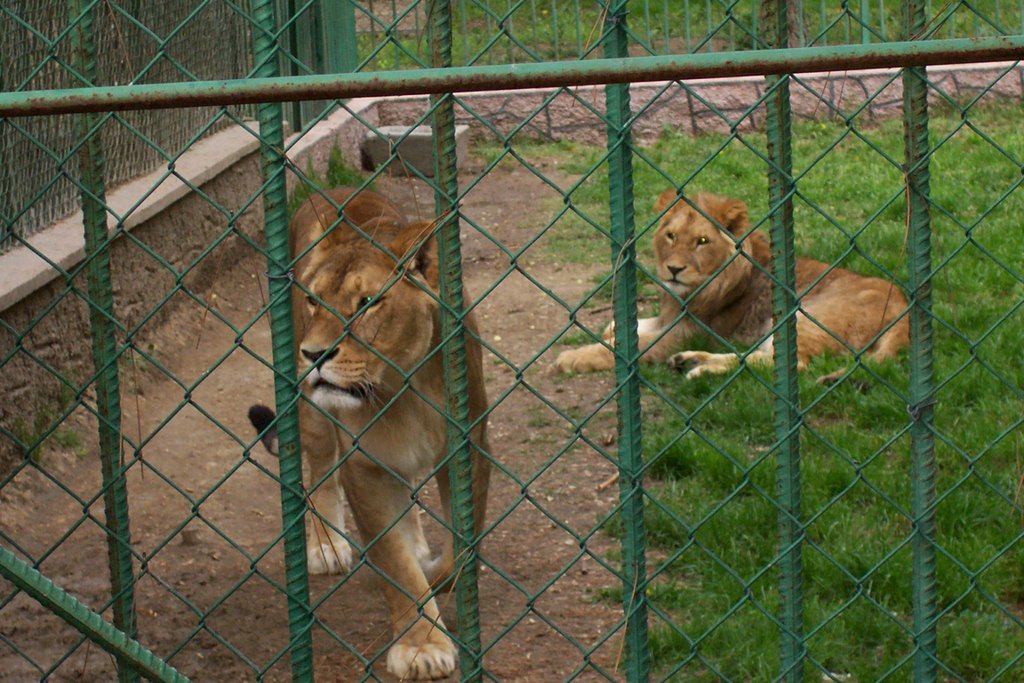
(329, 557)
(697, 363)
(423, 662)
(585, 359)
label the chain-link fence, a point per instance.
(135, 43)
(850, 511)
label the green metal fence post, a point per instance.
(865, 20)
(787, 390)
(338, 34)
(104, 340)
(291, 45)
(275, 207)
(922, 381)
(620, 187)
(460, 467)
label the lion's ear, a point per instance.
(665, 199)
(416, 244)
(730, 213)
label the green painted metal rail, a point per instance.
(133, 657)
(472, 78)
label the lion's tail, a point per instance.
(262, 419)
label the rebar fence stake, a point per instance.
(286, 392)
(627, 379)
(922, 379)
(786, 387)
(130, 653)
(449, 251)
(103, 331)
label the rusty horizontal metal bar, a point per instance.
(513, 76)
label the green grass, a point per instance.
(709, 442)
(339, 173)
(33, 432)
(487, 32)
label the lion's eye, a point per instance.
(366, 302)
(311, 300)
(670, 236)
(702, 240)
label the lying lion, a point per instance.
(842, 311)
(368, 329)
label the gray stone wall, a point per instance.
(47, 333)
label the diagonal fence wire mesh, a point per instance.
(135, 44)
(750, 525)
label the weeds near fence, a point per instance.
(339, 173)
(541, 30)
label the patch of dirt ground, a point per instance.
(206, 518)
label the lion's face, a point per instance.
(366, 322)
(688, 247)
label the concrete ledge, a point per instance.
(344, 128)
(407, 151)
(61, 247)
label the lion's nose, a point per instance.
(319, 356)
(675, 270)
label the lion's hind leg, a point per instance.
(440, 570)
(892, 341)
(585, 359)
(327, 551)
(696, 363)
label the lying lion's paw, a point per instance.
(328, 558)
(584, 359)
(697, 363)
(424, 662)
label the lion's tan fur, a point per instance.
(840, 311)
(365, 305)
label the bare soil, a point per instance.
(206, 517)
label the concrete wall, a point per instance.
(45, 329)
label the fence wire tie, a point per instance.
(915, 410)
(287, 275)
(616, 18)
